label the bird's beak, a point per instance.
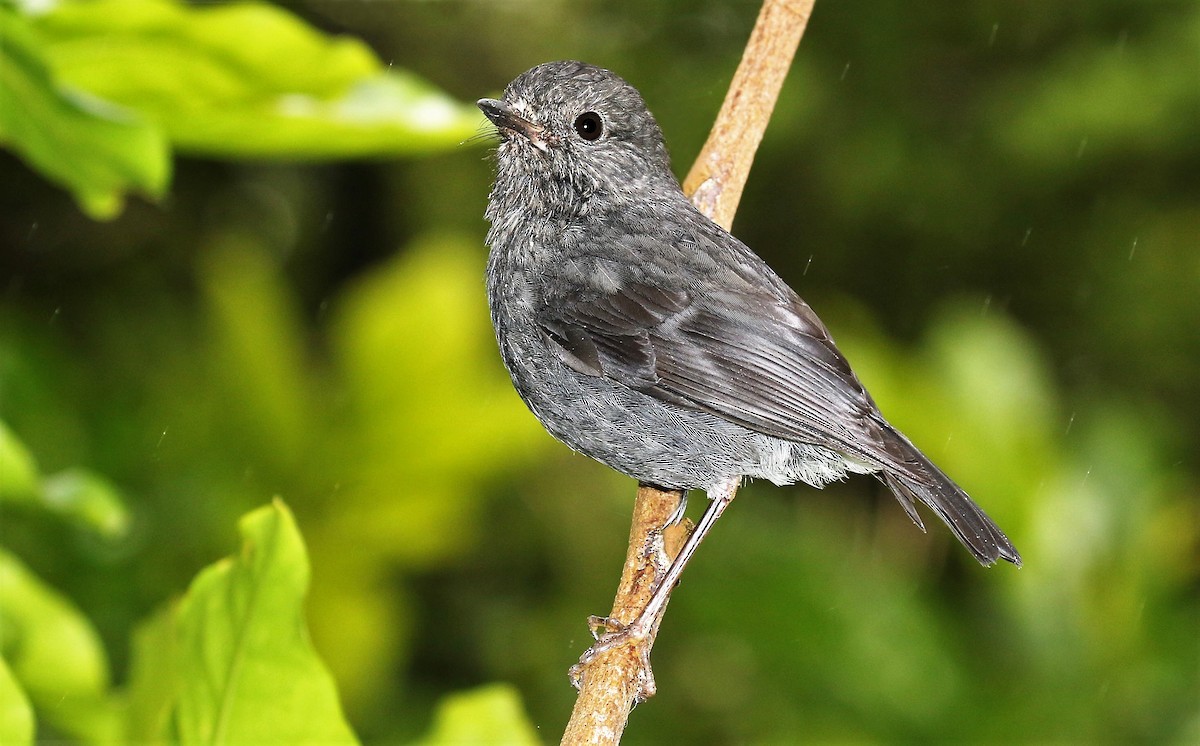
(506, 118)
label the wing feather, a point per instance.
(760, 361)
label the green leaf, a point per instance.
(249, 673)
(154, 682)
(88, 499)
(91, 92)
(18, 471)
(95, 149)
(16, 716)
(75, 494)
(249, 80)
(56, 655)
(489, 714)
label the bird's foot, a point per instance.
(615, 638)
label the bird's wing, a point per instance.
(765, 361)
(761, 361)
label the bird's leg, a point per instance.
(640, 633)
(654, 547)
(719, 497)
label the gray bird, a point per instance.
(642, 334)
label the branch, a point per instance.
(717, 177)
(612, 683)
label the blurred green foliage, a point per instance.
(488, 715)
(16, 716)
(75, 494)
(98, 92)
(993, 205)
(55, 655)
(229, 663)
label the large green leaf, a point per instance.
(247, 671)
(55, 654)
(95, 149)
(93, 94)
(16, 716)
(249, 79)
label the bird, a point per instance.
(647, 337)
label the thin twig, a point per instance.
(717, 177)
(612, 683)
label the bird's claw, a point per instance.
(610, 635)
(602, 625)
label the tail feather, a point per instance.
(924, 482)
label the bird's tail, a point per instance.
(923, 481)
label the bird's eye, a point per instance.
(589, 125)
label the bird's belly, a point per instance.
(650, 440)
